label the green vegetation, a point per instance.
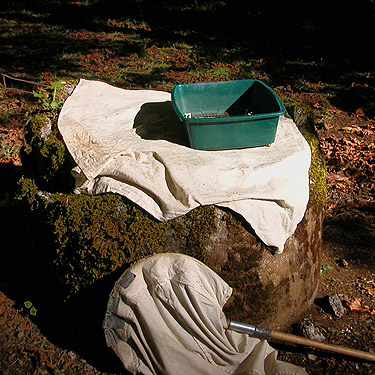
(29, 305)
(53, 104)
(7, 149)
(303, 116)
(325, 267)
(92, 236)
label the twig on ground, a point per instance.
(5, 87)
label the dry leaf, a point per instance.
(337, 177)
(357, 305)
(369, 290)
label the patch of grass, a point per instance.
(8, 149)
(325, 267)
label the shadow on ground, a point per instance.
(74, 325)
(317, 42)
(352, 234)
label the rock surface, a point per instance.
(268, 289)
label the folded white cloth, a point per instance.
(165, 317)
(112, 135)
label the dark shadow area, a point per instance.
(158, 121)
(44, 39)
(319, 39)
(323, 303)
(256, 99)
(353, 234)
(77, 324)
(356, 96)
(25, 275)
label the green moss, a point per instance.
(94, 235)
(303, 116)
(88, 237)
(318, 171)
(301, 113)
(44, 139)
(26, 191)
(46, 157)
(199, 225)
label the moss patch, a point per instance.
(46, 156)
(87, 237)
(197, 226)
(303, 116)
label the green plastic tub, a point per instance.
(226, 115)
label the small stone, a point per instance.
(342, 262)
(336, 305)
(312, 357)
(307, 329)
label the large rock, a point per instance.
(268, 289)
(86, 238)
(76, 240)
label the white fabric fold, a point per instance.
(104, 129)
(167, 319)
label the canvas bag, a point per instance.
(165, 317)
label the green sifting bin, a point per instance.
(230, 114)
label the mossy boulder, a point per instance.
(303, 116)
(45, 155)
(84, 238)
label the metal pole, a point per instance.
(268, 334)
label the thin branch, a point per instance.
(18, 90)
(21, 80)
(5, 87)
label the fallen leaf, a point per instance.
(369, 290)
(357, 305)
(337, 177)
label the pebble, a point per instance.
(308, 329)
(342, 263)
(312, 357)
(336, 305)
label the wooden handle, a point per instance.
(277, 335)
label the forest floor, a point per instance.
(42, 44)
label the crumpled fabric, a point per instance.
(132, 143)
(164, 317)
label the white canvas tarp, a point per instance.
(165, 317)
(122, 142)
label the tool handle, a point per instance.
(277, 335)
(250, 329)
